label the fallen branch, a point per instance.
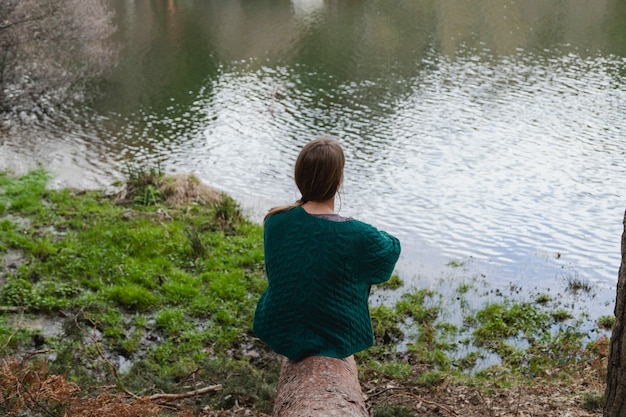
(174, 397)
(376, 394)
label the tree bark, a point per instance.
(615, 395)
(319, 386)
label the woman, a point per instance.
(320, 266)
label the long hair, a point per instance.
(318, 172)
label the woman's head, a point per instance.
(319, 169)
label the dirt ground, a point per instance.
(545, 396)
(32, 391)
(548, 401)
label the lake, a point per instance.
(489, 136)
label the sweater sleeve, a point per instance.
(381, 252)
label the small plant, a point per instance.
(606, 322)
(198, 247)
(392, 283)
(142, 185)
(458, 263)
(463, 288)
(577, 284)
(16, 292)
(414, 305)
(592, 401)
(149, 196)
(386, 324)
(561, 315)
(543, 299)
(500, 321)
(455, 263)
(227, 215)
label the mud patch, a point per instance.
(10, 261)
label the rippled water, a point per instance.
(491, 133)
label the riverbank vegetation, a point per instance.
(140, 302)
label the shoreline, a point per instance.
(141, 288)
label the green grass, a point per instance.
(172, 289)
(169, 292)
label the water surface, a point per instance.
(487, 133)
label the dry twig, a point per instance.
(16, 327)
(173, 397)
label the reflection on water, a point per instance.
(490, 130)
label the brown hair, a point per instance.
(318, 172)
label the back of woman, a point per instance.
(320, 266)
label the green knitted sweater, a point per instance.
(319, 275)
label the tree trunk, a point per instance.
(319, 386)
(615, 395)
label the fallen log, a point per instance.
(319, 386)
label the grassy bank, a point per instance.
(152, 290)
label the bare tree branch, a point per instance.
(49, 49)
(22, 21)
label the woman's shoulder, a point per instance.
(282, 214)
(299, 214)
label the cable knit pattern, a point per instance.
(319, 276)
